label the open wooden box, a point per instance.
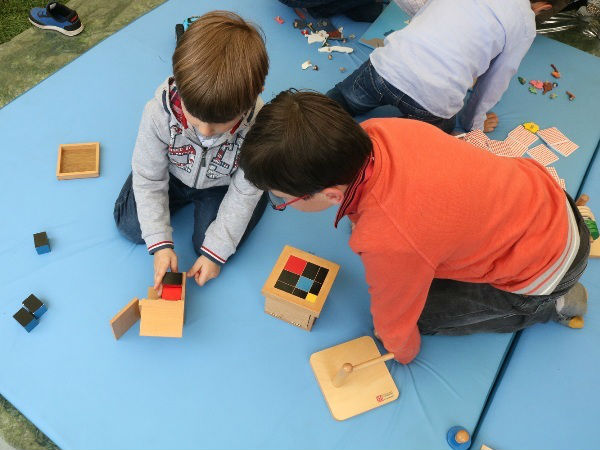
(78, 161)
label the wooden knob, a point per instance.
(462, 436)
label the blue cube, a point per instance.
(26, 319)
(42, 245)
(35, 306)
(43, 249)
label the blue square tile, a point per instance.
(304, 284)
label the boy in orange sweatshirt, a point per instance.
(455, 240)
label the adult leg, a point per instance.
(358, 93)
(456, 308)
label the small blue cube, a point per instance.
(43, 249)
(26, 319)
(35, 306)
(42, 245)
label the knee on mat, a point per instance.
(129, 228)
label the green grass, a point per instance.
(14, 17)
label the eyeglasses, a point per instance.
(279, 204)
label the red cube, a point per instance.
(171, 292)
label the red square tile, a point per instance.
(295, 265)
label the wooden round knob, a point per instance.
(462, 436)
(347, 367)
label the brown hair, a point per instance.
(220, 65)
(303, 142)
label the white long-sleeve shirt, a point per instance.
(450, 43)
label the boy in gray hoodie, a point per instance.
(188, 144)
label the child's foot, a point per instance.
(58, 17)
(572, 306)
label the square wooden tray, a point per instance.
(78, 161)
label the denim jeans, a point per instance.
(364, 89)
(457, 308)
(206, 205)
(327, 8)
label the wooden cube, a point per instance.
(78, 161)
(160, 317)
(298, 286)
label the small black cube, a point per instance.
(26, 319)
(35, 306)
(173, 278)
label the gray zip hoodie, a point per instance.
(166, 146)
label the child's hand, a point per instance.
(490, 122)
(203, 270)
(163, 260)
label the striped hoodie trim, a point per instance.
(154, 247)
(547, 282)
(214, 255)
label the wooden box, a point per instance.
(298, 286)
(78, 161)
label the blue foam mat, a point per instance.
(548, 397)
(238, 378)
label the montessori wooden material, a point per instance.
(158, 317)
(163, 318)
(298, 286)
(78, 161)
(125, 318)
(359, 371)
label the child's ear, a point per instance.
(334, 195)
(263, 89)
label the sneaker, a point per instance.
(58, 17)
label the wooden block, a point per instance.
(364, 389)
(595, 249)
(290, 313)
(78, 161)
(161, 318)
(152, 293)
(125, 318)
(312, 304)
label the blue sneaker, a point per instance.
(56, 16)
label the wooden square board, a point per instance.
(364, 389)
(301, 278)
(125, 318)
(78, 161)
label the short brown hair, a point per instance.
(303, 142)
(220, 65)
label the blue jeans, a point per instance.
(456, 308)
(364, 89)
(360, 10)
(206, 205)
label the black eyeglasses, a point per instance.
(279, 204)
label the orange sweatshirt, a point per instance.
(428, 205)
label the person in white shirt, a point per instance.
(426, 69)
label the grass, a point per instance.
(14, 17)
